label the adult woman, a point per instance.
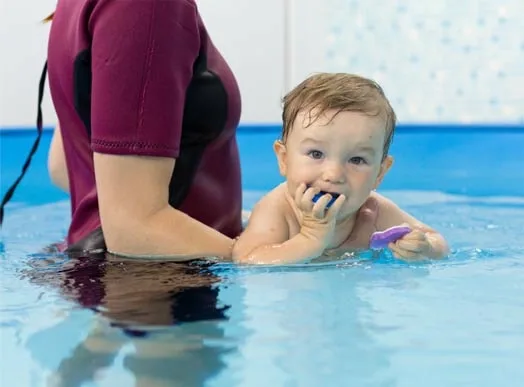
(139, 88)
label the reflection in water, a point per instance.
(163, 323)
(164, 311)
(316, 326)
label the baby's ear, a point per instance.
(280, 151)
(384, 168)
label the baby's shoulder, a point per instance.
(389, 213)
(275, 201)
(382, 201)
(386, 209)
(272, 210)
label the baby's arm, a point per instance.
(423, 241)
(266, 237)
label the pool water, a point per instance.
(348, 322)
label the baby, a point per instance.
(337, 129)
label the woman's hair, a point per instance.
(48, 18)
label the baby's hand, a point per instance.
(318, 221)
(412, 246)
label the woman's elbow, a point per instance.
(58, 174)
(56, 163)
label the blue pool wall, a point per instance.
(478, 160)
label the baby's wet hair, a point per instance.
(338, 92)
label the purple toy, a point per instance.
(381, 239)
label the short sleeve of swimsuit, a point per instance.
(142, 62)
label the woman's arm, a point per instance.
(142, 62)
(137, 219)
(56, 163)
(146, 178)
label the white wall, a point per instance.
(23, 40)
(440, 61)
(250, 34)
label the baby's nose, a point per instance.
(334, 173)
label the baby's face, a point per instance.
(342, 156)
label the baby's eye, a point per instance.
(315, 154)
(357, 160)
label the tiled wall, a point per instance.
(439, 61)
